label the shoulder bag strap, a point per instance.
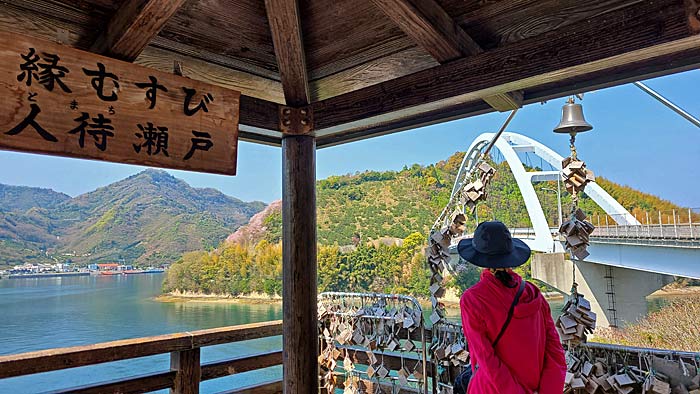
(510, 312)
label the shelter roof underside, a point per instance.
(371, 67)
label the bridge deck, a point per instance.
(665, 249)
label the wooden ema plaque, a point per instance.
(62, 101)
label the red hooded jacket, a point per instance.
(529, 356)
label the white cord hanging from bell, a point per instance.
(577, 319)
(576, 230)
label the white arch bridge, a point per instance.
(627, 259)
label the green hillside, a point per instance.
(22, 198)
(398, 204)
(153, 218)
(26, 231)
(150, 218)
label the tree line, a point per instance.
(238, 269)
(371, 205)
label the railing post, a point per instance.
(690, 222)
(648, 226)
(661, 227)
(675, 228)
(189, 371)
(607, 230)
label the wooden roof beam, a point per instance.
(285, 26)
(684, 61)
(429, 26)
(651, 37)
(133, 26)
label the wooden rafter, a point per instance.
(687, 60)
(431, 27)
(594, 52)
(285, 26)
(210, 72)
(546, 48)
(133, 26)
(434, 30)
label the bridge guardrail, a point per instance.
(658, 231)
(684, 231)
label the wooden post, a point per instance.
(189, 371)
(300, 340)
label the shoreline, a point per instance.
(185, 297)
(689, 290)
(258, 298)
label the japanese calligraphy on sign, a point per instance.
(61, 101)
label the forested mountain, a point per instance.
(149, 218)
(153, 218)
(397, 203)
(25, 228)
(20, 199)
(372, 205)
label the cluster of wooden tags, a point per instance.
(449, 353)
(438, 257)
(440, 240)
(347, 330)
(575, 174)
(600, 376)
(448, 347)
(577, 320)
(475, 191)
(576, 231)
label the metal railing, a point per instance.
(680, 224)
(659, 231)
(359, 308)
(185, 374)
(684, 231)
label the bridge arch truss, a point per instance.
(509, 145)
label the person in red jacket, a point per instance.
(528, 357)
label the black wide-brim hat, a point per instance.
(493, 247)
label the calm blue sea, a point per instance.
(45, 313)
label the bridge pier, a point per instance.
(617, 295)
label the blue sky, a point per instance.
(635, 141)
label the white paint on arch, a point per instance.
(509, 144)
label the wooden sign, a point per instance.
(61, 101)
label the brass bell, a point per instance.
(572, 120)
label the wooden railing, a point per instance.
(186, 371)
